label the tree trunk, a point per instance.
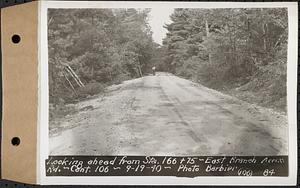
(207, 35)
(248, 41)
(264, 37)
(207, 29)
(279, 40)
(76, 77)
(140, 70)
(110, 76)
(72, 87)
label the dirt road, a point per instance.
(168, 115)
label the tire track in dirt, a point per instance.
(272, 145)
(167, 115)
(172, 102)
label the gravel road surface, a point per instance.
(168, 115)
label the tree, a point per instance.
(228, 47)
(240, 39)
(93, 47)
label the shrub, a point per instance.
(120, 78)
(60, 110)
(90, 90)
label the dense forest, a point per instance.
(239, 51)
(242, 52)
(92, 48)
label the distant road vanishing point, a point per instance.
(168, 115)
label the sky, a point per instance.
(158, 18)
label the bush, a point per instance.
(211, 75)
(90, 90)
(120, 78)
(189, 67)
(60, 110)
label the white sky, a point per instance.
(158, 17)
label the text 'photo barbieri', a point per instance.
(168, 82)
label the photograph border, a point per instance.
(43, 146)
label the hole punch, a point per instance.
(15, 141)
(16, 39)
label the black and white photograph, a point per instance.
(177, 81)
(168, 93)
